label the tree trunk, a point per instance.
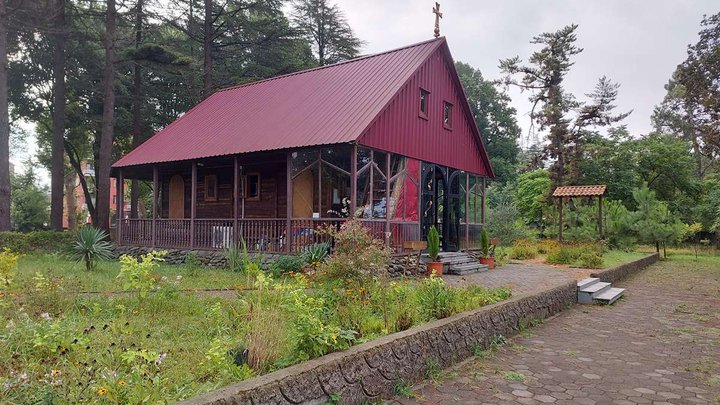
(102, 166)
(71, 201)
(4, 123)
(137, 107)
(57, 161)
(207, 50)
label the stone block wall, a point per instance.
(367, 372)
(617, 273)
(211, 258)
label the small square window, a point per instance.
(252, 186)
(447, 115)
(424, 99)
(211, 190)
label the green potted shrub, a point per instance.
(487, 250)
(434, 266)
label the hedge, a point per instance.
(44, 241)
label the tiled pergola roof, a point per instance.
(580, 191)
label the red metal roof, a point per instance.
(580, 191)
(327, 105)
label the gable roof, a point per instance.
(327, 105)
(580, 191)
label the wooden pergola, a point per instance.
(563, 192)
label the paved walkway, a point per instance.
(659, 345)
(520, 278)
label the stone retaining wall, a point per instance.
(367, 372)
(618, 273)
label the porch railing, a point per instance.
(260, 235)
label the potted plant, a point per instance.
(434, 266)
(487, 250)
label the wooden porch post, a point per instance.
(387, 199)
(193, 203)
(289, 199)
(155, 202)
(482, 208)
(353, 182)
(119, 201)
(600, 218)
(467, 209)
(236, 198)
(560, 220)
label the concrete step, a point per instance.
(587, 294)
(464, 269)
(587, 282)
(609, 295)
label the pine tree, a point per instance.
(325, 26)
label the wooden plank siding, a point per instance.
(272, 203)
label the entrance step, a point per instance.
(457, 263)
(610, 295)
(594, 291)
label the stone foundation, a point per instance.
(367, 372)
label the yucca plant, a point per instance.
(487, 249)
(92, 246)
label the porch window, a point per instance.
(447, 115)
(371, 180)
(211, 191)
(424, 96)
(321, 182)
(404, 177)
(252, 184)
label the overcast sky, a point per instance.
(635, 43)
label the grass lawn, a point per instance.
(61, 346)
(613, 258)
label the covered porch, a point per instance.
(279, 201)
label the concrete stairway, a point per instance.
(594, 291)
(458, 263)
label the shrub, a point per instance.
(590, 261)
(92, 246)
(561, 255)
(545, 246)
(287, 264)
(136, 274)
(357, 254)
(523, 250)
(436, 299)
(43, 241)
(433, 243)
(8, 264)
(192, 263)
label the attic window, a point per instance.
(447, 115)
(424, 96)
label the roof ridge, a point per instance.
(358, 59)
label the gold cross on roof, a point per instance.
(438, 16)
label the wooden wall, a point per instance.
(273, 196)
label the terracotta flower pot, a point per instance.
(435, 267)
(490, 261)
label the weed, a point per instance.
(432, 369)
(403, 389)
(514, 376)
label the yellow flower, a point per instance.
(122, 383)
(101, 391)
(55, 373)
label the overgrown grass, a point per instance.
(613, 258)
(60, 346)
(103, 277)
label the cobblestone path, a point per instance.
(658, 345)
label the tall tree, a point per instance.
(691, 108)
(554, 109)
(4, 121)
(103, 163)
(137, 103)
(495, 119)
(57, 164)
(326, 27)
